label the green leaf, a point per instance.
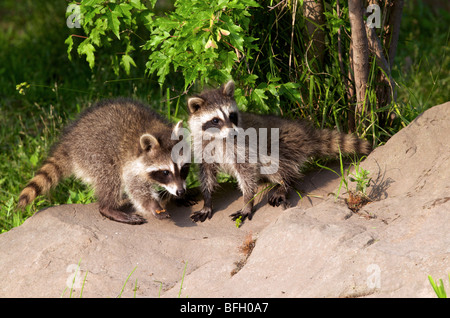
(241, 101)
(236, 37)
(228, 59)
(125, 10)
(126, 61)
(220, 3)
(189, 76)
(156, 40)
(113, 21)
(147, 19)
(91, 3)
(88, 49)
(291, 90)
(95, 35)
(138, 5)
(34, 159)
(89, 13)
(258, 96)
(69, 42)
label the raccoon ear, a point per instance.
(148, 142)
(195, 103)
(177, 128)
(228, 89)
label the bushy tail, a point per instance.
(46, 177)
(332, 141)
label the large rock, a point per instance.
(316, 249)
(40, 257)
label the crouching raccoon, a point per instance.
(123, 150)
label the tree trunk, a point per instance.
(384, 50)
(313, 14)
(346, 74)
(391, 37)
(360, 55)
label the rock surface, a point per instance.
(319, 248)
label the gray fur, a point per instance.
(114, 146)
(298, 141)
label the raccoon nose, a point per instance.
(180, 192)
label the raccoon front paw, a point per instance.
(201, 215)
(278, 199)
(241, 214)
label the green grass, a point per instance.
(422, 64)
(32, 36)
(438, 288)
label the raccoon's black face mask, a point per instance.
(161, 168)
(214, 111)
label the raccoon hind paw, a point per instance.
(122, 217)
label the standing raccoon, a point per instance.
(214, 116)
(123, 150)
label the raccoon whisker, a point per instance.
(164, 194)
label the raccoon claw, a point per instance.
(242, 215)
(201, 215)
(279, 199)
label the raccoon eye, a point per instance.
(161, 176)
(212, 123)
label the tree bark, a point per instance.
(347, 76)
(391, 38)
(313, 14)
(385, 50)
(387, 92)
(360, 55)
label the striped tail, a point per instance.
(46, 177)
(331, 142)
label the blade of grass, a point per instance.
(182, 279)
(438, 289)
(123, 287)
(82, 286)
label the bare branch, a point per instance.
(375, 48)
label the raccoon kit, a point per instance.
(214, 117)
(123, 150)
